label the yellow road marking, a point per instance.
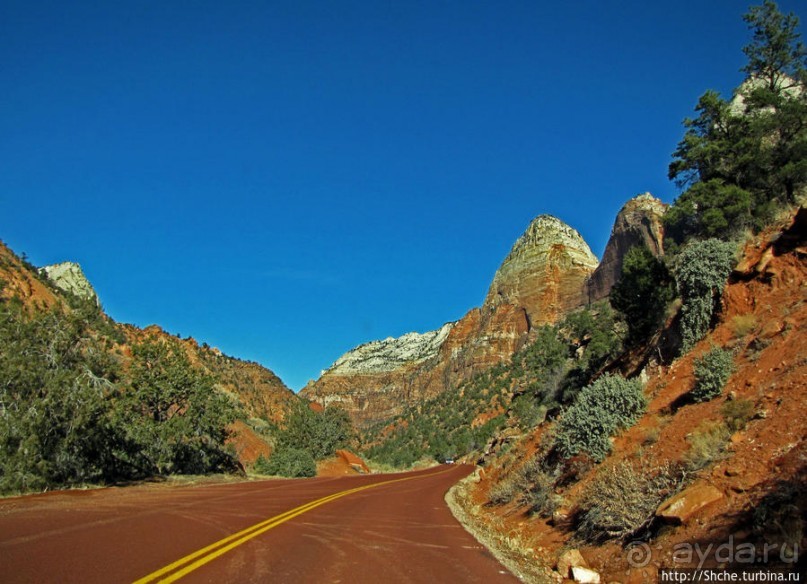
(184, 566)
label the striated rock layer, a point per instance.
(542, 277)
(638, 223)
(544, 272)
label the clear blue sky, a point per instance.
(286, 180)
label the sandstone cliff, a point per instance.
(544, 271)
(638, 223)
(542, 277)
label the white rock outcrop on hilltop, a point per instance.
(391, 353)
(69, 277)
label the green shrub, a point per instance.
(320, 433)
(528, 410)
(518, 484)
(712, 370)
(623, 499)
(742, 324)
(642, 293)
(701, 271)
(541, 495)
(609, 404)
(710, 209)
(287, 462)
(597, 329)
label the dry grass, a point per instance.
(622, 500)
(743, 324)
(707, 444)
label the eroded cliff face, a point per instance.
(638, 223)
(544, 271)
(543, 277)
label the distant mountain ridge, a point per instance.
(545, 275)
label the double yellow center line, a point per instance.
(184, 566)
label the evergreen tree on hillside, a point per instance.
(174, 419)
(642, 293)
(319, 433)
(741, 160)
(775, 55)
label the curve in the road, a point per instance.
(197, 559)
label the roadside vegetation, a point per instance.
(85, 401)
(305, 437)
(741, 165)
(74, 411)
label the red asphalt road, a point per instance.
(397, 532)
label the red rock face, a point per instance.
(638, 223)
(476, 342)
(542, 278)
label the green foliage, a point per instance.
(609, 404)
(287, 462)
(69, 416)
(741, 165)
(529, 411)
(598, 330)
(710, 209)
(701, 271)
(642, 292)
(775, 55)
(623, 499)
(712, 370)
(173, 413)
(319, 433)
(545, 355)
(57, 393)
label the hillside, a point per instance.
(56, 336)
(733, 467)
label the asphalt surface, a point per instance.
(376, 528)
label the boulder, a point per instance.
(570, 559)
(681, 507)
(585, 575)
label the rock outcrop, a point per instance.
(391, 353)
(638, 223)
(544, 271)
(543, 277)
(69, 276)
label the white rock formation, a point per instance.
(69, 277)
(391, 353)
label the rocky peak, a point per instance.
(69, 276)
(544, 272)
(638, 223)
(391, 353)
